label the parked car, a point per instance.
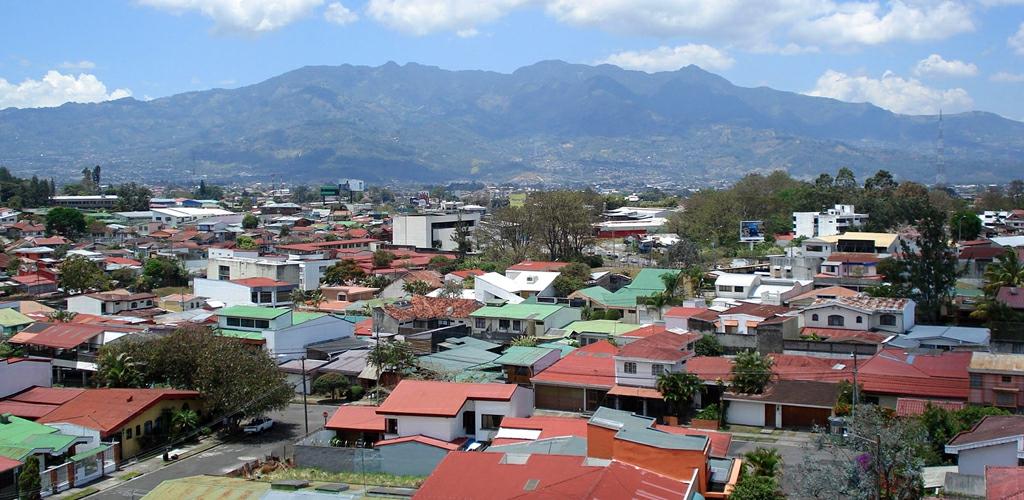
(258, 425)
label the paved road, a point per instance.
(288, 427)
(792, 456)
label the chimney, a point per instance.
(5, 418)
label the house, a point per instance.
(181, 302)
(677, 318)
(861, 312)
(913, 407)
(348, 293)
(894, 373)
(579, 381)
(996, 380)
(126, 416)
(746, 318)
(943, 337)
(35, 284)
(836, 220)
(300, 373)
(448, 411)
(111, 303)
(246, 291)
(432, 230)
(848, 269)
(1012, 297)
(861, 242)
(784, 403)
(176, 217)
(520, 363)
(12, 321)
(515, 320)
(18, 374)
(538, 428)
(535, 266)
(587, 332)
(304, 273)
(976, 258)
(72, 347)
(515, 287)
(638, 365)
(396, 289)
(285, 333)
(420, 313)
(995, 441)
(1003, 482)
(460, 276)
(646, 283)
(22, 440)
(826, 293)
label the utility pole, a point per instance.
(853, 407)
(305, 407)
(878, 465)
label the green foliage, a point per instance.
(132, 197)
(383, 258)
(250, 221)
(763, 462)
(751, 372)
(355, 393)
(451, 289)
(13, 266)
(208, 192)
(613, 314)
(441, 264)
(561, 222)
(343, 272)
(24, 193)
(79, 274)
(757, 488)
(678, 389)
(184, 421)
(965, 225)
(571, 278)
(1007, 270)
(162, 272)
(525, 341)
(708, 345)
(118, 369)
(417, 287)
(709, 412)
(392, 356)
(8, 350)
(928, 275)
(334, 384)
(941, 425)
(29, 482)
(246, 242)
(65, 222)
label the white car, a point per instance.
(258, 425)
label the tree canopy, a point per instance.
(65, 222)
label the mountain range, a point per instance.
(551, 121)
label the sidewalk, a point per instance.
(133, 469)
(776, 436)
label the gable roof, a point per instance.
(864, 302)
(894, 371)
(644, 430)
(517, 311)
(793, 393)
(420, 307)
(522, 355)
(912, 407)
(664, 346)
(61, 335)
(589, 366)
(107, 410)
(990, 427)
(10, 317)
(537, 265)
(432, 398)
(356, 417)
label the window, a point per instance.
(657, 369)
(128, 433)
(629, 367)
(503, 324)
(223, 273)
(738, 289)
(234, 322)
(976, 381)
(887, 320)
(1006, 379)
(262, 323)
(480, 323)
(724, 288)
(391, 426)
(835, 320)
(814, 317)
(517, 325)
(138, 430)
(148, 427)
(1006, 399)
(254, 297)
(135, 304)
(860, 319)
(266, 297)
(490, 421)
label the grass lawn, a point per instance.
(130, 475)
(81, 494)
(371, 478)
(167, 290)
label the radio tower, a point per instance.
(940, 160)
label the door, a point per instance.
(769, 415)
(469, 422)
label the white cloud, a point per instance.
(935, 65)
(422, 17)
(83, 64)
(253, 16)
(672, 58)
(55, 89)
(892, 92)
(1007, 77)
(1016, 42)
(339, 14)
(868, 23)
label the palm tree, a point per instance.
(671, 283)
(678, 389)
(315, 298)
(298, 298)
(1006, 271)
(184, 420)
(119, 370)
(62, 316)
(657, 302)
(764, 461)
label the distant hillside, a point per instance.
(551, 120)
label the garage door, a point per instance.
(799, 416)
(551, 397)
(745, 413)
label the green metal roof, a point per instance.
(650, 279)
(300, 317)
(240, 334)
(517, 311)
(605, 326)
(457, 342)
(87, 454)
(624, 297)
(20, 437)
(564, 347)
(10, 317)
(254, 312)
(522, 355)
(459, 359)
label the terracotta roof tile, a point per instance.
(106, 410)
(589, 366)
(664, 346)
(356, 417)
(423, 397)
(990, 427)
(910, 407)
(421, 307)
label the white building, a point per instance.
(428, 230)
(18, 374)
(246, 292)
(283, 332)
(514, 288)
(177, 216)
(833, 221)
(110, 303)
(861, 312)
(304, 273)
(993, 218)
(449, 410)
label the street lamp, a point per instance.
(325, 419)
(305, 405)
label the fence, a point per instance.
(829, 348)
(82, 469)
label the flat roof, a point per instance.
(255, 312)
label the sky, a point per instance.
(908, 56)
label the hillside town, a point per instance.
(775, 338)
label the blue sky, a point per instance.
(910, 56)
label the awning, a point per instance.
(636, 392)
(752, 324)
(732, 322)
(87, 454)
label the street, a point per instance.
(792, 457)
(288, 427)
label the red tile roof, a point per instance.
(107, 410)
(893, 371)
(684, 312)
(423, 397)
(537, 265)
(422, 308)
(60, 335)
(1011, 296)
(489, 476)
(990, 427)
(1004, 482)
(7, 464)
(842, 335)
(364, 327)
(910, 407)
(30, 411)
(645, 331)
(33, 280)
(785, 367)
(465, 273)
(432, 278)
(981, 253)
(588, 366)
(437, 443)
(358, 418)
(122, 261)
(47, 395)
(664, 346)
(549, 427)
(260, 282)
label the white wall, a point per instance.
(445, 429)
(561, 317)
(227, 292)
(745, 413)
(311, 271)
(16, 377)
(643, 376)
(290, 343)
(973, 461)
(85, 305)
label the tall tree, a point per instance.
(965, 225)
(392, 356)
(678, 389)
(930, 272)
(79, 274)
(751, 372)
(65, 222)
(343, 272)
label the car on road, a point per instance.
(258, 425)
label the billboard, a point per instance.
(751, 230)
